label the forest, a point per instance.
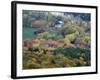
(56, 39)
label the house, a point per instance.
(58, 24)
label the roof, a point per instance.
(59, 22)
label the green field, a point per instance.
(28, 33)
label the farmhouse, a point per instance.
(58, 24)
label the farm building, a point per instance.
(58, 24)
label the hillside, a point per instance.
(56, 39)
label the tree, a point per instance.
(67, 30)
